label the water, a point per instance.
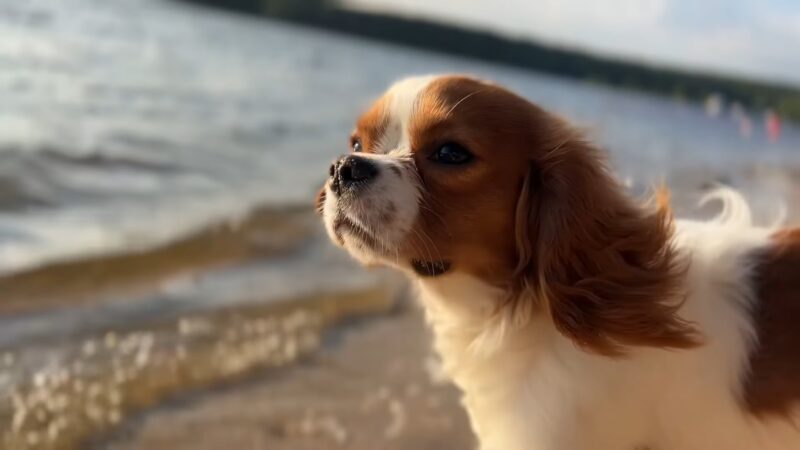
(157, 165)
(126, 123)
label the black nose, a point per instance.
(351, 171)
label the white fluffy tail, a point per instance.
(735, 210)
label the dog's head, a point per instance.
(451, 174)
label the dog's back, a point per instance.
(773, 385)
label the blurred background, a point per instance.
(164, 283)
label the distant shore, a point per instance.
(484, 45)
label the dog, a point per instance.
(571, 315)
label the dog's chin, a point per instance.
(363, 252)
(371, 252)
(358, 240)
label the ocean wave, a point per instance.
(261, 233)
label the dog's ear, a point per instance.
(599, 264)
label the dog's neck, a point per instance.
(492, 358)
(459, 299)
(471, 332)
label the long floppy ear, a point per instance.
(602, 265)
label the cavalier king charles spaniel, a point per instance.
(570, 314)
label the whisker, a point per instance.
(425, 240)
(462, 101)
(427, 253)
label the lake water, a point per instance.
(126, 123)
(134, 131)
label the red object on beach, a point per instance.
(772, 123)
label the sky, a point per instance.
(754, 38)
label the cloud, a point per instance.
(756, 38)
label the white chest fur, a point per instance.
(525, 387)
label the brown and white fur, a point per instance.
(572, 316)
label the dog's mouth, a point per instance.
(430, 268)
(343, 225)
(424, 268)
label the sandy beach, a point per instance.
(370, 387)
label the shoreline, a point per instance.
(104, 377)
(368, 387)
(89, 280)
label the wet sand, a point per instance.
(99, 381)
(371, 387)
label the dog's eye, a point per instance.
(451, 154)
(356, 145)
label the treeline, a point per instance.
(492, 47)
